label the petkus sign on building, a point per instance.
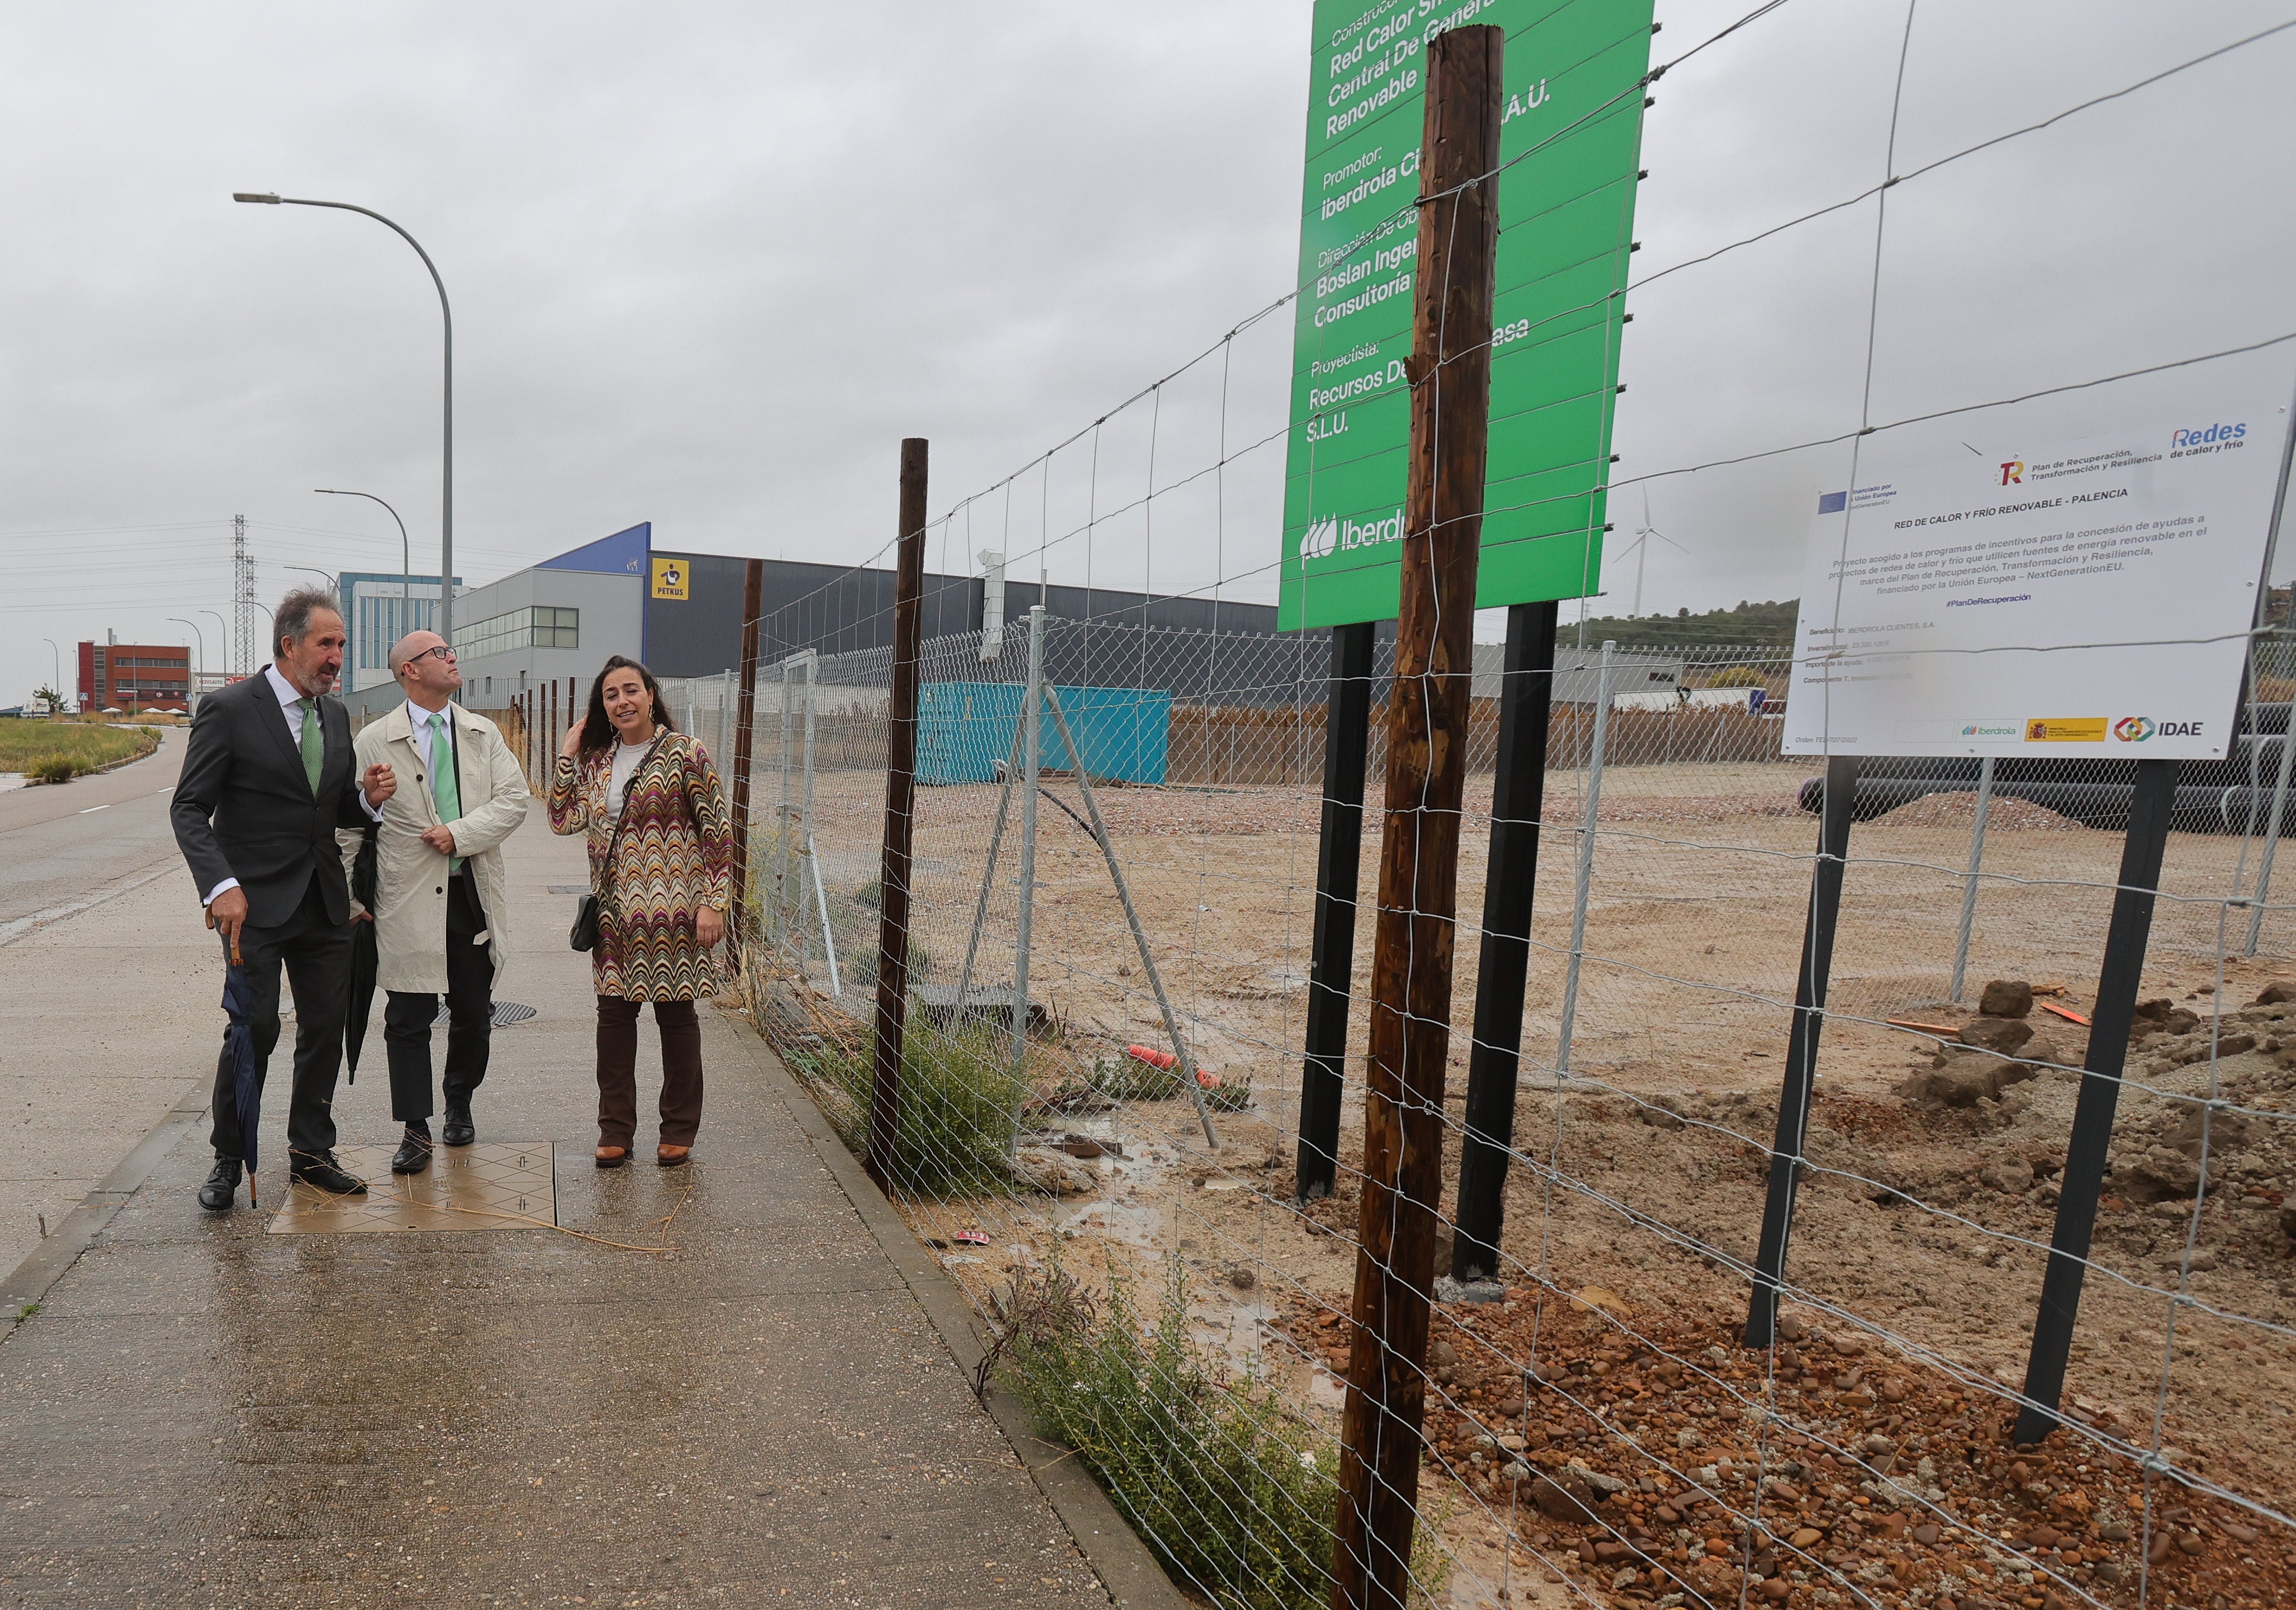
(2088, 597)
(1571, 131)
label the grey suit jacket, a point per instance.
(244, 808)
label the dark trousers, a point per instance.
(318, 956)
(618, 1070)
(470, 1011)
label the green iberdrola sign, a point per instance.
(1572, 132)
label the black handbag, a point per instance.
(584, 934)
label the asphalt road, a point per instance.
(64, 847)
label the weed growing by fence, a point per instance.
(1233, 1492)
(960, 1106)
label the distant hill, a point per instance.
(1749, 623)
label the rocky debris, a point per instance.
(2166, 1165)
(1962, 1076)
(2006, 1035)
(2161, 1017)
(2226, 1132)
(2156, 1174)
(2043, 1052)
(2180, 1051)
(2005, 998)
(1649, 1487)
(1662, 1111)
(2276, 992)
(2288, 1220)
(1565, 1495)
(2012, 1174)
(1042, 1168)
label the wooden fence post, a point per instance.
(1380, 1436)
(753, 586)
(900, 820)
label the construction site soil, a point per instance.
(1874, 1441)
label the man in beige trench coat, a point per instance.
(441, 900)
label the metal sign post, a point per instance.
(2083, 1179)
(1331, 971)
(1810, 981)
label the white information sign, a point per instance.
(2084, 598)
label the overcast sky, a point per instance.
(710, 262)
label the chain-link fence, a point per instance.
(1518, 1297)
(1136, 1239)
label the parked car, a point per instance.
(2231, 795)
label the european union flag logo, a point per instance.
(1832, 502)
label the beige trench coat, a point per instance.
(410, 877)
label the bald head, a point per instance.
(410, 645)
(428, 676)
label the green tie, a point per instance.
(314, 747)
(444, 789)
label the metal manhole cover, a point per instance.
(507, 1012)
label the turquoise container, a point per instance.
(964, 729)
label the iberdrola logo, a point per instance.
(1336, 533)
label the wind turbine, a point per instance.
(1640, 548)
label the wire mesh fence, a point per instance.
(1102, 1124)
(1598, 1422)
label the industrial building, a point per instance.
(134, 676)
(680, 612)
(379, 608)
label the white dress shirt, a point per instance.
(419, 718)
(291, 707)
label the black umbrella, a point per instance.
(364, 959)
(239, 1045)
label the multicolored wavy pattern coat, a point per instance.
(675, 855)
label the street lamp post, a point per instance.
(223, 628)
(447, 494)
(192, 693)
(405, 566)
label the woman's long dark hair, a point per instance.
(597, 732)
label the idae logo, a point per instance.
(1335, 532)
(2136, 729)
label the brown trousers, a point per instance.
(618, 1070)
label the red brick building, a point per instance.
(134, 676)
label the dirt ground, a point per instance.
(1921, 1231)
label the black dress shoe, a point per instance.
(221, 1186)
(318, 1171)
(458, 1130)
(414, 1154)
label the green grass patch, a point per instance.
(1234, 1492)
(59, 750)
(959, 1103)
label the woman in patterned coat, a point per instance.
(661, 863)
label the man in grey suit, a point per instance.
(267, 778)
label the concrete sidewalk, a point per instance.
(201, 1413)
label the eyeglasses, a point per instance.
(442, 652)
